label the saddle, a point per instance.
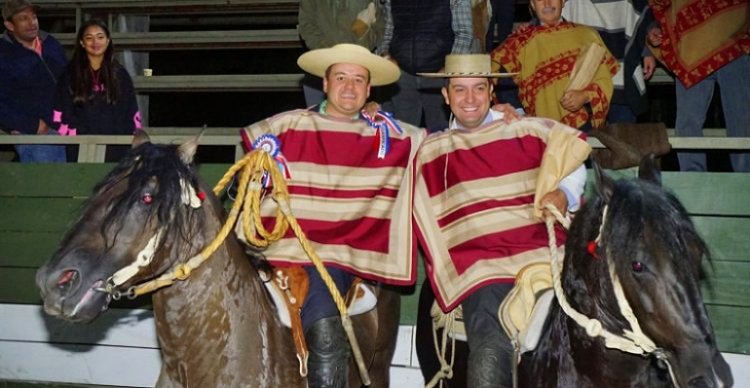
(522, 313)
(288, 288)
(525, 309)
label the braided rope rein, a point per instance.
(446, 367)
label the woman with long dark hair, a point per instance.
(96, 94)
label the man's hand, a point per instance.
(573, 100)
(509, 112)
(518, 26)
(42, 129)
(371, 107)
(390, 58)
(655, 36)
(649, 65)
(558, 199)
(364, 20)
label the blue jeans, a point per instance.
(621, 113)
(319, 303)
(692, 105)
(417, 96)
(35, 153)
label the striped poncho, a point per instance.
(474, 200)
(346, 199)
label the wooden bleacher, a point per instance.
(188, 40)
(285, 38)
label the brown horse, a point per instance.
(656, 253)
(218, 327)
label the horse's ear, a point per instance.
(186, 150)
(140, 137)
(604, 184)
(648, 170)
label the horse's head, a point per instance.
(138, 219)
(657, 255)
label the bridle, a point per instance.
(631, 341)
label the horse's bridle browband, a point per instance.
(190, 198)
(631, 341)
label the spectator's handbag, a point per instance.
(628, 143)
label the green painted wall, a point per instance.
(39, 202)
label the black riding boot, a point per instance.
(328, 365)
(490, 351)
(488, 368)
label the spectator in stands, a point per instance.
(418, 36)
(324, 23)
(713, 50)
(31, 61)
(95, 95)
(622, 25)
(543, 54)
(468, 180)
(345, 169)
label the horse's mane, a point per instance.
(643, 208)
(148, 165)
(637, 210)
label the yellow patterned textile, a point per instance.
(544, 58)
(701, 36)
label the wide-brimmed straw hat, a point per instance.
(316, 62)
(467, 66)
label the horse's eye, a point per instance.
(638, 266)
(147, 198)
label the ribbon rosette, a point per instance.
(383, 122)
(271, 144)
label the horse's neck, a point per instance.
(219, 313)
(568, 356)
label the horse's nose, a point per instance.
(59, 282)
(67, 281)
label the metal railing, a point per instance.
(93, 147)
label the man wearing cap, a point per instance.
(479, 192)
(344, 171)
(31, 61)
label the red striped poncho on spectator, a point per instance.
(474, 200)
(348, 202)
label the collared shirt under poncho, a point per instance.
(474, 200)
(701, 36)
(354, 208)
(544, 58)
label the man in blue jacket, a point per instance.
(31, 61)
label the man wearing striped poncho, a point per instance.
(478, 193)
(344, 173)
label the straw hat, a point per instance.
(382, 71)
(467, 66)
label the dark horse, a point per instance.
(217, 328)
(657, 256)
